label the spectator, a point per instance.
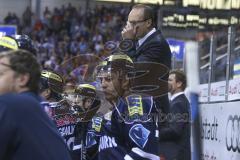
(82, 45)
(8, 18)
(15, 19)
(27, 16)
(72, 23)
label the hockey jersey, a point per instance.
(60, 113)
(128, 132)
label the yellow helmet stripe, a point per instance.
(8, 42)
(87, 86)
(51, 75)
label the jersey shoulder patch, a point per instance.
(135, 105)
(139, 107)
(97, 124)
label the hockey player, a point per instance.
(51, 86)
(86, 104)
(128, 131)
(58, 109)
(71, 112)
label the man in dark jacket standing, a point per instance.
(176, 136)
(26, 132)
(149, 45)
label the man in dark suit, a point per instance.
(149, 45)
(175, 137)
(26, 131)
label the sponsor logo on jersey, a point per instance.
(67, 133)
(66, 130)
(67, 119)
(97, 123)
(90, 139)
(139, 134)
(106, 142)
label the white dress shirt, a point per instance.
(140, 41)
(175, 95)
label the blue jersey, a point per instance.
(130, 131)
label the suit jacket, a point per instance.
(175, 138)
(154, 49)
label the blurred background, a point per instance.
(62, 29)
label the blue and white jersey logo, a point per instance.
(90, 139)
(139, 135)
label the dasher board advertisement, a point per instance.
(220, 131)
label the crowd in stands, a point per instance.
(70, 31)
(64, 33)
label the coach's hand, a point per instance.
(129, 31)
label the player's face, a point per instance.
(110, 86)
(79, 100)
(69, 87)
(72, 98)
(45, 93)
(83, 101)
(88, 103)
(9, 82)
